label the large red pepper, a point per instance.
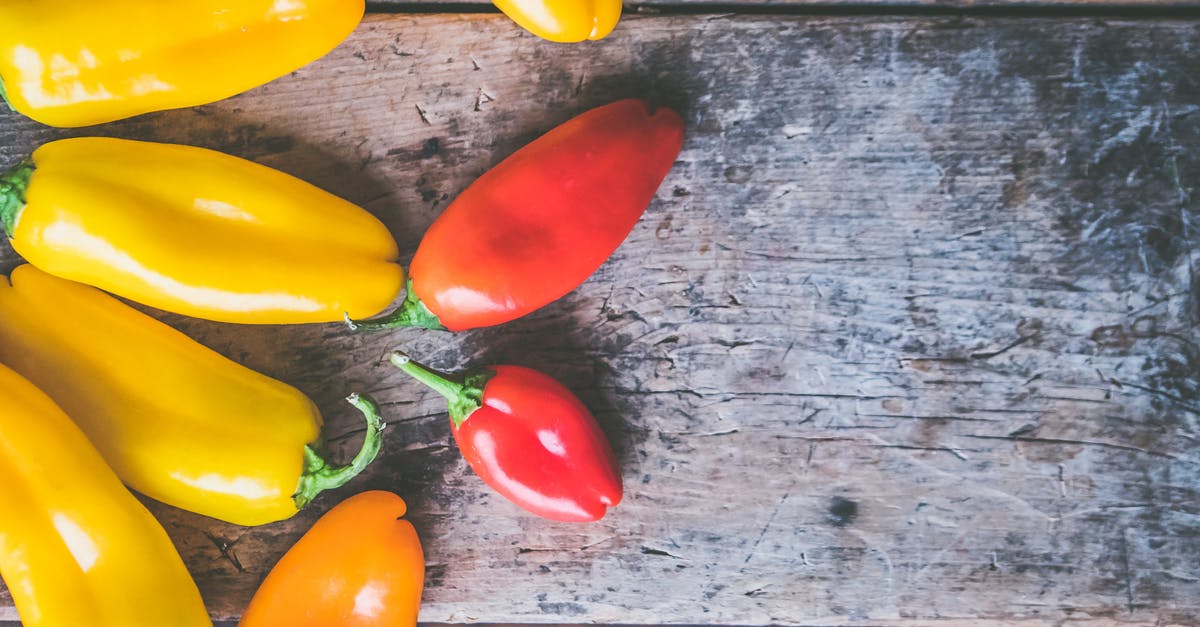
(530, 439)
(538, 224)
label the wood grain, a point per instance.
(908, 336)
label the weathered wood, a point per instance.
(908, 334)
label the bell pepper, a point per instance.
(73, 63)
(538, 224)
(529, 438)
(177, 421)
(197, 232)
(564, 21)
(359, 566)
(76, 548)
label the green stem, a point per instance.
(4, 95)
(13, 184)
(463, 398)
(411, 313)
(319, 476)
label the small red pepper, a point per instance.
(538, 224)
(530, 439)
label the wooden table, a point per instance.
(908, 336)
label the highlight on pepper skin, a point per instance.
(564, 21)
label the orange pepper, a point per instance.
(359, 566)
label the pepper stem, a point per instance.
(463, 398)
(319, 476)
(13, 184)
(4, 96)
(411, 313)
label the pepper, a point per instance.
(564, 21)
(197, 232)
(76, 548)
(538, 224)
(528, 438)
(360, 565)
(177, 421)
(70, 63)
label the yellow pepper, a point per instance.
(564, 21)
(176, 421)
(76, 548)
(197, 232)
(78, 62)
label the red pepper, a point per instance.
(530, 439)
(538, 224)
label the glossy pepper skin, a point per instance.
(69, 63)
(76, 548)
(359, 566)
(564, 21)
(197, 232)
(538, 224)
(530, 439)
(177, 422)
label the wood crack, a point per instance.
(1128, 573)
(226, 548)
(908, 447)
(763, 532)
(1109, 445)
(947, 418)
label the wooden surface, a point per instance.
(907, 337)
